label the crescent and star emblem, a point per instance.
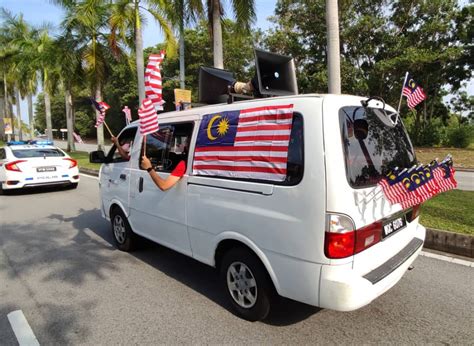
(209, 126)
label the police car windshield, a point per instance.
(37, 152)
(372, 145)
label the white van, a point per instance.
(324, 235)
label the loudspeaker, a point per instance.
(275, 74)
(213, 84)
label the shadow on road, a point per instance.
(196, 275)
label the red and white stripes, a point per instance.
(148, 118)
(153, 83)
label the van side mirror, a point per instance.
(97, 157)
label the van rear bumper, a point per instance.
(343, 289)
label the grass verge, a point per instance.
(462, 158)
(450, 211)
(83, 160)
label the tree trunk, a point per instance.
(69, 123)
(7, 114)
(217, 35)
(333, 55)
(139, 55)
(181, 46)
(47, 108)
(18, 113)
(30, 115)
(100, 129)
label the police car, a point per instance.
(35, 163)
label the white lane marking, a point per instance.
(22, 329)
(447, 259)
(89, 176)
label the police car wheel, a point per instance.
(247, 284)
(74, 185)
(124, 237)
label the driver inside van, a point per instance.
(123, 147)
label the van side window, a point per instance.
(295, 165)
(126, 139)
(169, 145)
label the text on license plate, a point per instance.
(394, 225)
(46, 169)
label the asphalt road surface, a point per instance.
(59, 267)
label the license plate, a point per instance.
(47, 177)
(46, 169)
(394, 225)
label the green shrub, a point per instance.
(461, 137)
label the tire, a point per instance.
(124, 238)
(73, 186)
(247, 284)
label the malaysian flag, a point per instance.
(128, 114)
(148, 118)
(250, 143)
(393, 188)
(444, 176)
(102, 107)
(413, 92)
(153, 86)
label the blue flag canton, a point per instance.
(411, 84)
(218, 129)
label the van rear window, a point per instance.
(372, 145)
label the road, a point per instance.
(58, 265)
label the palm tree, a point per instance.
(184, 13)
(86, 22)
(127, 20)
(244, 11)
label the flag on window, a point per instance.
(250, 143)
(413, 92)
(148, 118)
(444, 176)
(102, 107)
(153, 85)
(128, 114)
(393, 188)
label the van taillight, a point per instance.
(12, 166)
(339, 239)
(342, 241)
(368, 236)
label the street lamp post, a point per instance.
(333, 56)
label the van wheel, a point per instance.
(247, 284)
(123, 235)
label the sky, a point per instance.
(37, 12)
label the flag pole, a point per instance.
(108, 129)
(401, 94)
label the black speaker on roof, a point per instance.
(275, 74)
(213, 84)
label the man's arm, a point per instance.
(162, 184)
(121, 151)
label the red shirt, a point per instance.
(179, 170)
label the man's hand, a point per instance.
(115, 140)
(145, 162)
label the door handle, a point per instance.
(140, 184)
(123, 176)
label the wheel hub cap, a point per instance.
(242, 285)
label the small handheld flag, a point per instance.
(102, 107)
(128, 114)
(413, 92)
(148, 118)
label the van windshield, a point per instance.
(372, 145)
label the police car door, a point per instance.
(161, 215)
(115, 173)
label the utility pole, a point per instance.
(181, 46)
(333, 55)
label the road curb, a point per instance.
(455, 243)
(449, 242)
(93, 172)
